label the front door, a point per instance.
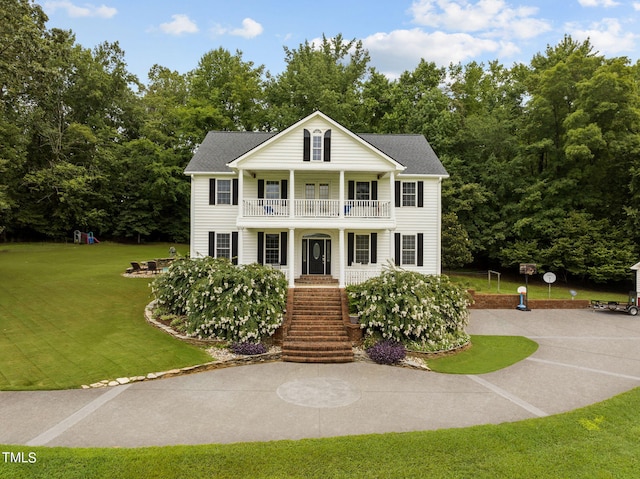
(316, 256)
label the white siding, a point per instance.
(426, 220)
(346, 152)
(206, 217)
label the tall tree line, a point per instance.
(544, 158)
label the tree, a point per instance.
(327, 77)
(230, 88)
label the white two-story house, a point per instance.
(317, 199)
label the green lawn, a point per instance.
(538, 289)
(487, 354)
(600, 441)
(68, 317)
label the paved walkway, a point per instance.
(584, 357)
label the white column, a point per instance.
(240, 245)
(291, 195)
(342, 260)
(392, 187)
(341, 189)
(291, 258)
(240, 197)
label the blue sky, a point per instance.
(397, 33)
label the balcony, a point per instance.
(305, 209)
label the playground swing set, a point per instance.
(84, 238)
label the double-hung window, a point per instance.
(409, 193)
(362, 249)
(272, 248)
(223, 245)
(224, 192)
(363, 190)
(316, 148)
(272, 190)
(408, 250)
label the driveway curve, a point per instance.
(584, 357)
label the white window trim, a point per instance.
(356, 191)
(414, 250)
(356, 249)
(266, 258)
(409, 195)
(319, 135)
(268, 183)
(219, 192)
(219, 249)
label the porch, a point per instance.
(265, 208)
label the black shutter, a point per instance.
(212, 191)
(234, 247)
(398, 194)
(284, 189)
(374, 248)
(306, 154)
(283, 248)
(350, 248)
(374, 190)
(260, 189)
(234, 195)
(352, 190)
(212, 244)
(420, 195)
(420, 248)
(261, 247)
(398, 248)
(327, 145)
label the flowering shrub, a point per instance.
(428, 312)
(248, 349)
(387, 352)
(222, 301)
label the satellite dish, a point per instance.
(549, 277)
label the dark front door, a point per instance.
(316, 256)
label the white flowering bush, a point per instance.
(222, 301)
(426, 313)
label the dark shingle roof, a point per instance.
(222, 147)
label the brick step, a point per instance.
(317, 318)
(318, 349)
(323, 359)
(307, 323)
(315, 335)
(317, 305)
(322, 310)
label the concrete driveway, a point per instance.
(584, 357)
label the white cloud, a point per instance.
(493, 17)
(636, 6)
(400, 50)
(607, 36)
(598, 3)
(179, 25)
(250, 29)
(76, 11)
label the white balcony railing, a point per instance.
(266, 208)
(360, 274)
(317, 208)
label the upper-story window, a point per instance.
(316, 152)
(317, 145)
(224, 192)
(363, 190)
(272, 190)
(409, 193)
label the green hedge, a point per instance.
(426, 313)
(222, 301)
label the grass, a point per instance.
(599, 441)
(67, 305)
(487, 354)
(68, 317)
(538, 289)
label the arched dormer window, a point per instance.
(317, 145)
